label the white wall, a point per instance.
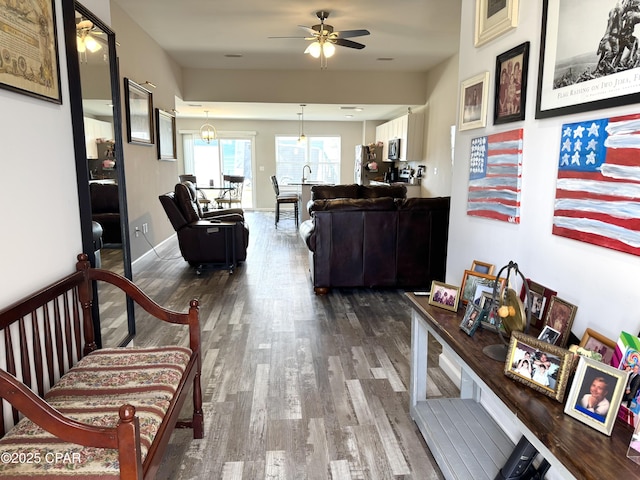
(598, 280)
(39, 214)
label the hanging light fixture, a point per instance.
(301, 136)
(208, 132)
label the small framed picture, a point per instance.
(549, 335)
(539, 365)
(489, 319)
(511, 85)
(474, 93)
(482, 267)
(138, 102)
(444, 296)
(596, 394)
(540, 300)
(471, 280)
(166, 135)
(494, 18)
(596, 342)
(471, 319)
(560, 317)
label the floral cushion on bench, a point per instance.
(92, 392)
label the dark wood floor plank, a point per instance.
(295, 385)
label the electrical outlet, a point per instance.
(137, 231)
(145, 228)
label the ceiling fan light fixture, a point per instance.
(80, 45)
(91, 44)
(314, 49)
(328, 49)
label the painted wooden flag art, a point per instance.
(495, 173)
(598, 187)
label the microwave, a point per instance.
(394, 149)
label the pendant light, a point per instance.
(301, 136)
(208, 132)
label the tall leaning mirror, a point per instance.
(97, 125)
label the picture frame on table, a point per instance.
(474, 98)
(510, 98)
(560, 317)
(29, 64)
(482, 267)
(494, 18)
(596, 342)
(444, 296)
(596, 394)
(549, 335)
(166, 135)
(471, 280)
(471, 319)
(540, 301)
(579, 68)
(539, 365)
(139, 112)
(633, 453)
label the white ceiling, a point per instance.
(406, 35)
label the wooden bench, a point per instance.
(77, 411)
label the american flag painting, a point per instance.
(598, 188)
(495, 172)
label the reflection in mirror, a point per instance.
(103, 160)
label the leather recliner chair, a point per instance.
(200, 236)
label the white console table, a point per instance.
(465, 440)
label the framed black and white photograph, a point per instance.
(596, 394)
(587, 61)
(511, 84)
(493, 18)
(549, 335)
(139, 112)
(166, 133)
(474, 93)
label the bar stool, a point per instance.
(293, 198)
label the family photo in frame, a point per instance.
(560, 317)
(540, 365)
(444, 296)
(474, 94)
(511, 85)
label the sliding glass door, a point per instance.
(228, 155)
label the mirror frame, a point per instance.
(69, 8)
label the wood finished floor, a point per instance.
(296, 386)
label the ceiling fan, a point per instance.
(86, 33)
(324, 38)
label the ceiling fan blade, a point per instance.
(302, 38)
(309, 30)
(351, 33)
(348, 43)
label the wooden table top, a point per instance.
(585, 452)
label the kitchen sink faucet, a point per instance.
(304, 179)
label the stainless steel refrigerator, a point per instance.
(369, 165)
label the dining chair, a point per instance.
(232, 193)
(284, 198)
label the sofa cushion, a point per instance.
(350, 204)
(397, 190)
(92, 392)
(320, 192)
(186, 204)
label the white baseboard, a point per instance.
(150, 251)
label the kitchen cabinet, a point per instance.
(409, 129)
(94, 129)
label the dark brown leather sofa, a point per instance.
(200, 236)
(375, 238)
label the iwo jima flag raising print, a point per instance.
(495, 172)
(598, 188)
